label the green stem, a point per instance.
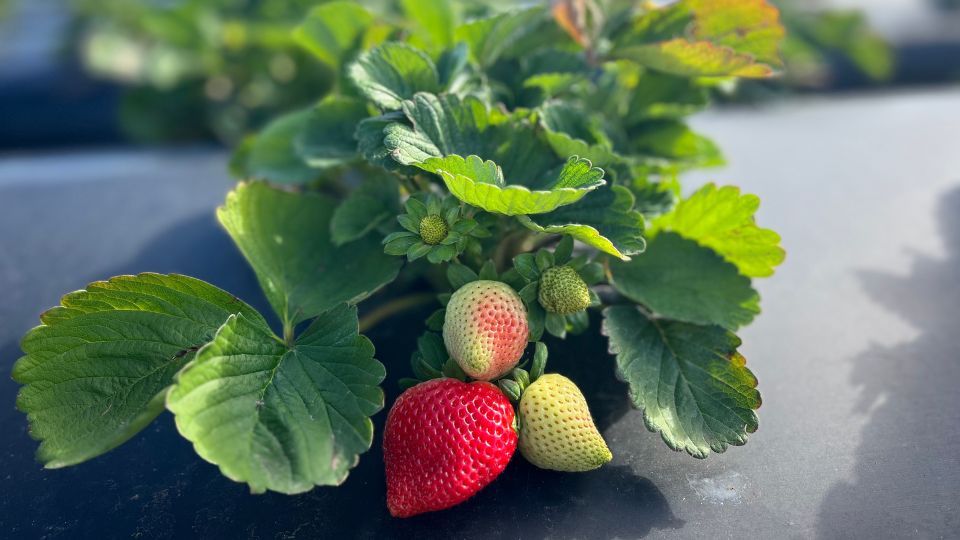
(288, 333)
(393, 307)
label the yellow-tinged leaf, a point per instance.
(747, 26)
(697, 59)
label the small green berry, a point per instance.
(433, 229)
(563, 291)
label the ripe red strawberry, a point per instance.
(485, 328)
(444, 441)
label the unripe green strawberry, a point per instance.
(485, 328)
(563, 291)
(556, 430)
(433, 229)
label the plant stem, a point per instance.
(288, 329)
(393, 307)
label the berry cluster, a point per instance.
(446, 439)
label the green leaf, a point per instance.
(442, 125)
(693, 386)
(95, 371)
(706, 38)
(673, 143)
(418, 250)
(376, 201)
(536, 316)
(488, 271)
(722, 219)
(526, 266)
(459, 275)
(432, 350)
(399, 243)
(554, 84)
(511, 389)
(274, 155)
(434, 22)
(240, 157)
(592, 273)
(491, 37)
(696, 59)
(679, 279)
(746, 26)
(422, 369)
(571, 133)
(453, 69)
(556, 324)
(452, 370)
(659, 95)
(370, 143)
(393, 72)
(539, 361)
(333, 31)
(406, 383)
(544, 259)
(845, 32)
(604, 219)
(481, 184)
(654, 198)
(286, 239)
(326, 139)
(446, 125)
(435, 320)
(564, 250)
(528, 292)
(278, 417)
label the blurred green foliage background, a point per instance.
(202, 69)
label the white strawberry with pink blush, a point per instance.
(485, 329)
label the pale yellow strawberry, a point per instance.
(556, 430)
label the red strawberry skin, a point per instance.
(444, 441)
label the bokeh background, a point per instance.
(108, 72)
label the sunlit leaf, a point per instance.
(706, 38)
(723, 220)
(604, 219)
(696, 59)
(482, 184)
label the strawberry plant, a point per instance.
(525, 164)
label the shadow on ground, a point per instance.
(154, 486)
(906, 479)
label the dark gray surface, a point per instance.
(856, 353)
